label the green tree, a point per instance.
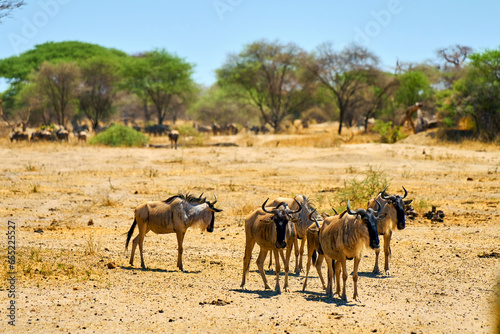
(100, 77)
(343, 74)
(479, 93)
(161, 78)
(57, 84)
(414, 86)
(271, 76)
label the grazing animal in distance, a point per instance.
(19, 136)
(267, 228)
(82, 136)
(62, 134)
(174, 215)
(173, 136)
(344, 237)
(394, 208)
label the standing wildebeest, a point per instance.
(344, 237)
(62, 134)
(41, 135)
(175, 215)
(173, 136)
(302, 224)
(267, 229)
(19, 136)
(394, 208)
(82, 136)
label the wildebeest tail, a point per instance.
(130, 232)
(314, 257)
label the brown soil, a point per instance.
(443, 274)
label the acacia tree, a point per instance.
(58, 84)
(100, 78)
(271, 77)
(343, 73)
(160, 76)
(454, 58)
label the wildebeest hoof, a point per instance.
(277, 289)
(376, 271)
(267, 287)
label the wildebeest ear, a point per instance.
(294, 220)
(408, 201)
(216, 210)
(381, 216)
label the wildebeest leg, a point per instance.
(296, 247)
(387, 251)
(286, 264)
(308, 266)
(246, 260)
(278, 268)
(344, 278)
(355, 277)
(329, 287)
(302, 244)
(337, 276)
(270, 259)
(140, 240)
(319, 262)
(180, 249)
(376, 270)
(260, 265)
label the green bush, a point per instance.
(189, 136)
(388, 132)
(120, 135)
(360, 192)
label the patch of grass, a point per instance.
(35, 189)
(120, 135)
(388, 132)
(359, 192)
(30, 167)
(421, 204)
(92, 245)
(151, 172)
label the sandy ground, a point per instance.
(443, 274)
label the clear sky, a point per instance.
(205, 31)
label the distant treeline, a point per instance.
(267, 83)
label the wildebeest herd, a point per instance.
(277, 226)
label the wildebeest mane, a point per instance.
(191, 199)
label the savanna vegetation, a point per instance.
(268, 83)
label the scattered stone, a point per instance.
(218, 302)
(91, 222)
(38, 230)
(111, 265)
(470, 179)
(75, 288)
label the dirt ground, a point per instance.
(72, 203)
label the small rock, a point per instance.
(38, 230)
(111, 265)
(91, 222)
(75, 288)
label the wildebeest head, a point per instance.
(281, 217)
(370, 218)
(398, 203)
(212, 210)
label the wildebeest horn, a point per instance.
(300, 207)
(335, 210)
(212, 203)
(379, 206)
(311, 217)
(384, 194)
(361, 212)
(406, 193)
(264, 207)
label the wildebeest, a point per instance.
(62, 134)
(312, 237)
(267, 228)
(174, 215)
(173, 136)
(19, 136)
(303, 222)
(41, 135)
(157, 129)
(394, 208)
(344, 237)
(82, 136)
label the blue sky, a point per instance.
(205, 31)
